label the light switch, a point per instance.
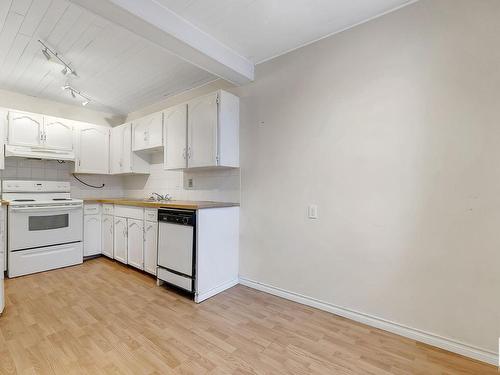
(312, 211)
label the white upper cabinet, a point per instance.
(147, 133)
(213, 131)
(93, 149)
(175, 150)
(117, 149)
(25, 129)
(57, 133)
(202, 131)
(3, 132)
(123, 159)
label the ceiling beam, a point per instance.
(165, 28)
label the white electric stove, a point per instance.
(45, 226)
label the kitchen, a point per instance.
(213, 187)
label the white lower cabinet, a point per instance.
(150, 246)
(120, 239)
(91, 235)
(135, 243)
(107, 235)
(125, 233)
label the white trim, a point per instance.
(163, 27)
(451, 345)
(335, 32)
(212, 292)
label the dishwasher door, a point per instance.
(176, 248)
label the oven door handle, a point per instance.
(44, 208)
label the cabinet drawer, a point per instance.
(91, 209)
(129, 212)
(107, 209)
(180, 281)
(151, 214)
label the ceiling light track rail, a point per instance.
(48, 53)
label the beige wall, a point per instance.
(13, 100)
(393, 129)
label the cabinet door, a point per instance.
(175, 120)
(127, 148)
(58, 133)
(107, 235)
(120, 239)
(150, 247)
(25, 129)
(202, 131)
(139, 135)
(91, 235)
(3, 132)
(136, 243)
(147, 132)
(93, 150)
(116, 150)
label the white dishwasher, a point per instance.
(177, 248)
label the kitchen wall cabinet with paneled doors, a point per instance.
(32, 135)
(124, 233)
(202, 133)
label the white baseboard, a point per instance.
(199, 297)
(373, 321)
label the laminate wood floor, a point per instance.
(105, 318)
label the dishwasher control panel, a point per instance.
(182, 217)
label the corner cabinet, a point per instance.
(147, 133)
(92, 149)
(211, 133)
(123, 160)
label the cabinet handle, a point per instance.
(189, 152)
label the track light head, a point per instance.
(85, 103)
(64, 71)
(46, 53)
(73, 94)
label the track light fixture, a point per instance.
(48, 53)
(74, 93)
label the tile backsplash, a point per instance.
(212, 185)
(207, 185)
(52, 170)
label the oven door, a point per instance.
(38, 226)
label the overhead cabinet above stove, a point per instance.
(35, 135)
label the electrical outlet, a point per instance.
(312, 211)
(190, 182)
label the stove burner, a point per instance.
(23, 200)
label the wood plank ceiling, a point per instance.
(119, 70)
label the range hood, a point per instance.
(38, 153)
